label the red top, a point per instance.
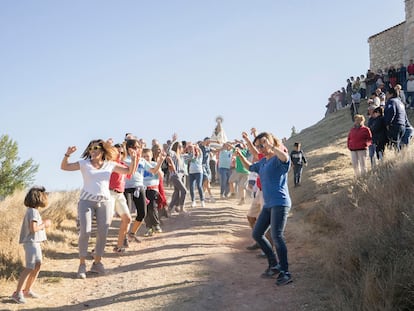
(359, 138)
(410, 69)
(117, 181)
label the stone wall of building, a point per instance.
(409, 31)
(387, 48)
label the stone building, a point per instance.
(394, 45)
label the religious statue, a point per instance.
(219, 136)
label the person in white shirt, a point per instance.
(96, 166)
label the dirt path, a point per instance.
(199, 262)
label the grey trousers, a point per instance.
(180, 192)
(103, 213)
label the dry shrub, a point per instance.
(370, 258)
(62, 207)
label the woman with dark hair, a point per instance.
(176, 164)
(378, 131)
(273, 170)
(135, 190)
(96, 167)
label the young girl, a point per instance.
(32, 234)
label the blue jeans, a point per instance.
(224, 181)
(395, 134)
(276, 218)
(297, 174)
(197, 179)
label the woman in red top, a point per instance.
(359, 138)
(117, 187)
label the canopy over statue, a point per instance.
(218, 138)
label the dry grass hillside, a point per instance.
(351, 242)
(364, 226)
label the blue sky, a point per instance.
(72, 71)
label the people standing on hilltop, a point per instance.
(298, 159)
(410, 92)
(395, 118)
(410, 68)
(402, 76)
(96, 166)
(379, 131)
(273, 170)
(32, 234)
(359, 138)
(370, 82)
(381, 95)
(356, 99)
(363, 86)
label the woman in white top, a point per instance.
(95, 199)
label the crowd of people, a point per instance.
(127, 180)
(365, 86)
(388, 126)
(389, 93)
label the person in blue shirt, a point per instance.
(273, 170)
(394, 116)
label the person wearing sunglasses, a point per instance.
(273, 170)
(96, 166)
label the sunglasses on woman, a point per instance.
(95, 148)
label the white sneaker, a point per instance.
(203, 204)
(193, 204)
(82, 271)
(18, 297)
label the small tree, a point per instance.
(12, 175)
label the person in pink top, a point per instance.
(359, 138)
(117, 188)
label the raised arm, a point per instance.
(65, 165)
(156, 168)
(132, 166)
(252, 148)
